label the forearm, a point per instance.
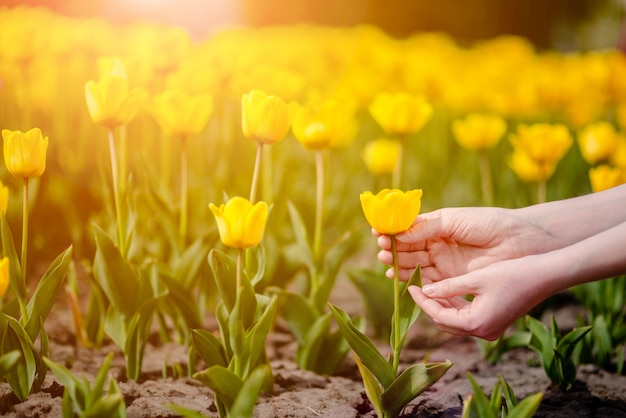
(598, 257)
(572, 220)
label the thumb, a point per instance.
(454, 286)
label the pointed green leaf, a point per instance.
(413, 381)
(114, 274)
(509, 397)
(364, 348)
(309, 350)
(185, 412)
(225, 272)
(225, 384)
(527, 407)
(246, 399)
(409, 310)
(8, 361)
(335, 255)
(16, 278)
(302, 240)
(373, 388)
(298, 313)
(567, 344)
(186, 267)
(44, 295)
(377, 292)
(255, 340)
(98, 385)
(22, 376)
(108, 406)
(209, 347)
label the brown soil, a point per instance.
(298, 393)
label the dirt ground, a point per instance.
(298, 393)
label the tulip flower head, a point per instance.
(182, 115)
(266, 119)
(391, 210)
(25, 153)
(319, 126)
(604, 177)
(240, 223)
(110, 102)
(400, 114)
(4, 276)
(597, 142)
(478, 131)
(381, 156)
(529, 169)
(542, 142)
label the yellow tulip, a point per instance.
(4, 276)
(604, 177)
(321, 125)
(391, 210)
(381, 156)
(478, 131)
(618, 156)
(182, 115)
(4, 198)
(543, 142)
(529, 169)
(25, 153)
(621, 115)
(240, 223)
(400, 114)
(111, 103)
(597, 142)
(266, 119)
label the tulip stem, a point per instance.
(319, 204)
(239, 271)
(182, 231)
(257, 171)
(541, 191)
(396, 307)
(485, 178)
(24, 242)
(116, 192)
(396, 177)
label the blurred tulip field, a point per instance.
(187, 179)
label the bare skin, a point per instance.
(508, 259)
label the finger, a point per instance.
(448, 319)
(406, 260)
(454, 286)
(424, 228)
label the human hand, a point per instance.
(502, 292)
(453, 241)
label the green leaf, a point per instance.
(335, 255)
(309, 349)
(373, 388)
(225, 272)
(298, 313)
(8, 361)
(209, 348)
(413, 381)
(16, 278)
(137, 338)
(185, 412)
(300, 232)
(377, 293)
(542, 340)
(22, 376)
(224, 383)
(98, 385)
(509, 397)
(114, 274)
(108, 406)
(527, 407)
(567, 344)
(246, 399)
(254, 345)
(364, 348)
(44, 295)
(409, 310)
(186, 267)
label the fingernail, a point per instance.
(428, 289)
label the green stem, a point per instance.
(396, 177)
(396, 307)
(485, 178)
(123, 159)
(24, 244)
(319, 203)
(239, 272)
(541, 191)
(116, 193)
(255, 174)
(165, 163)
(182, 230)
